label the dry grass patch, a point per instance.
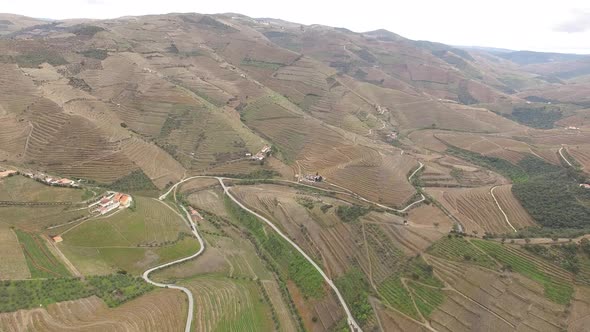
(14, 264)
(161, 310)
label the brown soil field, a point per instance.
(504, 148)
(155, 163)
(284, 315)
(420, 232)
(504, 301)
(579, 319)
(160, 310)
(209, 200)
(557, 137)
(477, 211)
(581, 153)
(316, 147)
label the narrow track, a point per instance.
(501, 210)
(564, 158)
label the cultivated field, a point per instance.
(484, 298)
(14, 263)
(161, 310)
(41, 261)
(132, 239)
(228, 305)
(478, 212)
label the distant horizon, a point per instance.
(562, 27)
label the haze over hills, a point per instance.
(399, 167)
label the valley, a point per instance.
(225, 173)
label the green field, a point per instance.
(458, 249)
(150, 222)
(355, 289)
(42, 263)
(427, 298)
(131, 240)
(396, 295)
(134, 260)
(229, 304)
(418, 270)
(556, 289)
(113, 289)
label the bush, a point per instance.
(351, 213)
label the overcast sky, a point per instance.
(539, 25)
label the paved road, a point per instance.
(191, 301)
(351, 322)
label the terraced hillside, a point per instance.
(411, 146)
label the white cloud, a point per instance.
(580, 22)
(515, 24)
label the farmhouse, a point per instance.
(113, 201)
(105, 201)
(109, 207)
(57, 239)
(585, 185)
(313, 178)
(265, 152)
(125, 201)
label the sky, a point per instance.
(537, 25)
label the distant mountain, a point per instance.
(530, 57)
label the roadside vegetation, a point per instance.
(355, 289)
(113, 289)
(282, 257)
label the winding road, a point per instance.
(353, 325)
(350, 319)
(191, 301)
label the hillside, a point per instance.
(314, 161)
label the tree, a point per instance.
(585, 245)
